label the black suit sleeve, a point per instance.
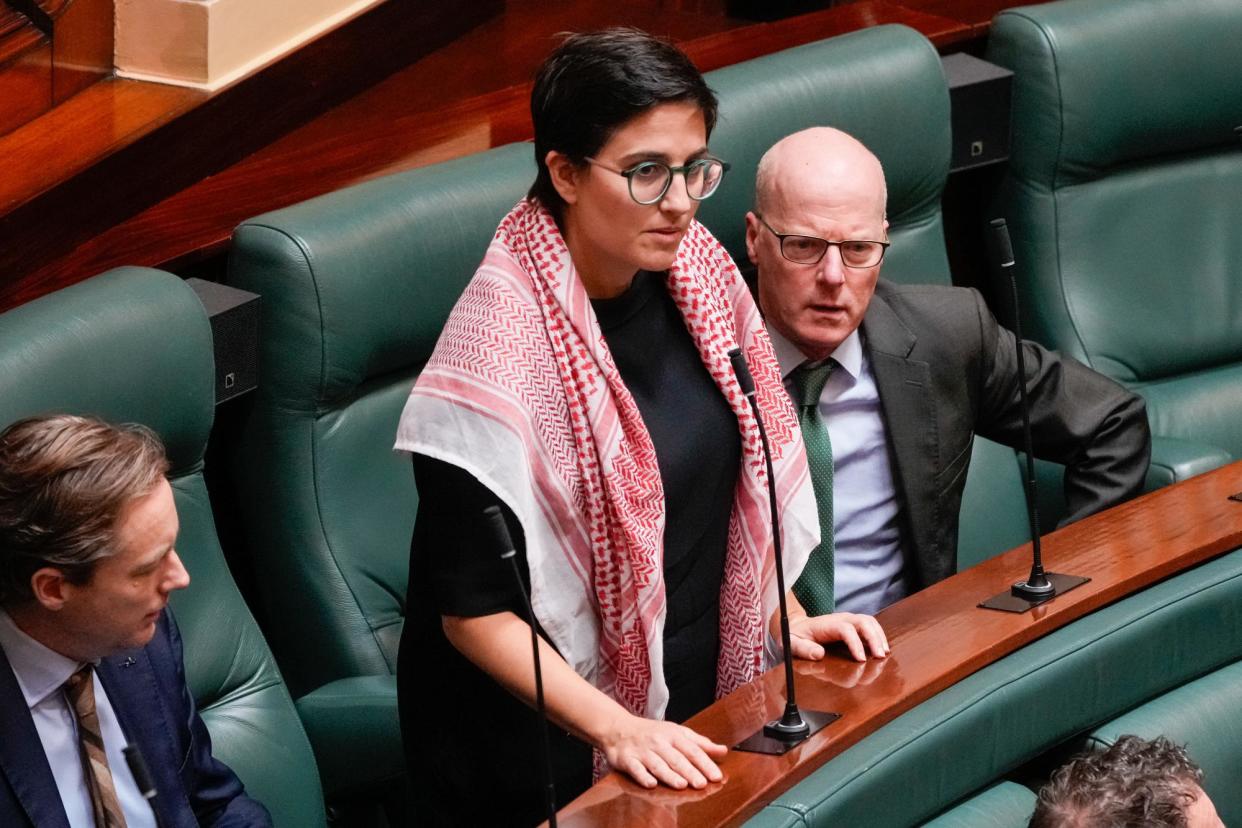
(1079, 418)
(215, 794)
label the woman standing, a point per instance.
(582, 382)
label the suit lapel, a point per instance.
(129, 679)
(904, 385)
(22, 759)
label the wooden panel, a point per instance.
(462, 98)
(25, 73)
(69, 139)
(760, 39)
(938, 636)
(404, 123)
(977, 14)
(46, 212)
(82, 41)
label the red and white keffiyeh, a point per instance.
(522, 392)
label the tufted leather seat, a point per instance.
(1122, 195)
(356, 286)
(134, 345)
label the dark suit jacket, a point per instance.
(157, 712)
(946, 371)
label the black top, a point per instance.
(463, 732)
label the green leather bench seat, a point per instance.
(134, 345)
(1122, 197)
(1205, 715)
(1064, 684)
(356, 286)
(1003, 805)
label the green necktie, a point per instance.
(814, 587)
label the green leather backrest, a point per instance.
(134, 345)
(1205, 716)
(992, 518)
(1011, 711)
(883, 85)
(997, 806)
(1125, 170)
(356, 286)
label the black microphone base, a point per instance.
(771, 739)
(1016, 599)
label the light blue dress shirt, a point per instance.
(869, 567)
(41, 674)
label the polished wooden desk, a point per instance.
(938, 637)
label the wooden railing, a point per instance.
(938, 636)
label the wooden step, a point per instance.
(121, 145)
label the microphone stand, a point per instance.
(142, 779)
(794, 726)
(1040, 586)
(500, 532)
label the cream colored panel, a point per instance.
(162, 40)
(212, 43)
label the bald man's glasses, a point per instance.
(650, 180)
(810, 250)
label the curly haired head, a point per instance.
(1135, 782)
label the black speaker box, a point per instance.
(235, 333)
(979, 94)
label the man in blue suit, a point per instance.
(90, 658)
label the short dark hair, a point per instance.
(1135, 782)
(595, 82)
(64, 481)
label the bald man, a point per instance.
(910, 375)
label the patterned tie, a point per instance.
(80, 690)
(814, 587)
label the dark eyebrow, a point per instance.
(640, 156)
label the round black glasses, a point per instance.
(650, 180)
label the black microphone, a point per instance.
(1039, 586)
(142, 778)
(795, 725)
(500, 532)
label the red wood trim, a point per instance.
(48, 211)
(25, 73)
(17, 35)
(82, 45)
(405, 123)
(938, 636)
